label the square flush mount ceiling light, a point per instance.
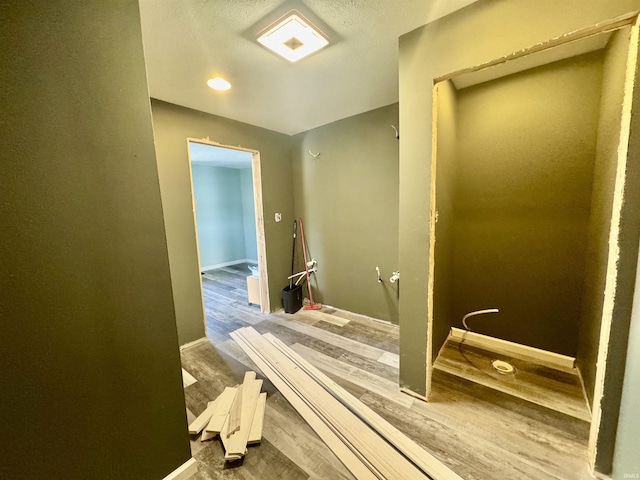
(293, 37)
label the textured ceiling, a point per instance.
(189, 41)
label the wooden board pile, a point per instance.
(369, 446)
(237, 415)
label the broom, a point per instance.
(312, 305)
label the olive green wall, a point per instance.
(172, 125)
(446, 168)
(348, 200)
(483, 31)
(597, 254)
(526, 153)
(91, 368)
(480, 32)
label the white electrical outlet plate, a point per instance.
(278, 217)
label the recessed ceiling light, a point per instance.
(219, 84)
(293, 37)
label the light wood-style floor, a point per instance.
(549, 387)
(479, 432)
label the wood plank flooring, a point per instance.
(549, 387)
(479, 432)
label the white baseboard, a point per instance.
(516, 350)
(193, 344)
(187, 470)
(228, 264)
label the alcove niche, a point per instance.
(531, 206)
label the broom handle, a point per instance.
(293, 253)
(306, 266)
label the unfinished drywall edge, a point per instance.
(608, 133)
(433, 218)
(446, 159)
(185, 471)
(523, 352)
(256, 171)
(549, 56)
(614, 247)
(609, 25)
(195, 233)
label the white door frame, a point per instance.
(256, 172)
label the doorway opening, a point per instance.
(228, 214)
(529, 219)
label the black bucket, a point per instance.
(292, 298)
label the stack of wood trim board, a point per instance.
(369, 446)
(237, 416)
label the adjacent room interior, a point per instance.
(225, 219)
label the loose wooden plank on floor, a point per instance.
(232, 422)
(201, 421)
(255, 433)
(381, 458)
(225, 400)
(230, 347)
(209, 435)
(350, 460)
(237, 444)
(428, 463)
(285, 428)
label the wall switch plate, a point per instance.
(278, 217)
